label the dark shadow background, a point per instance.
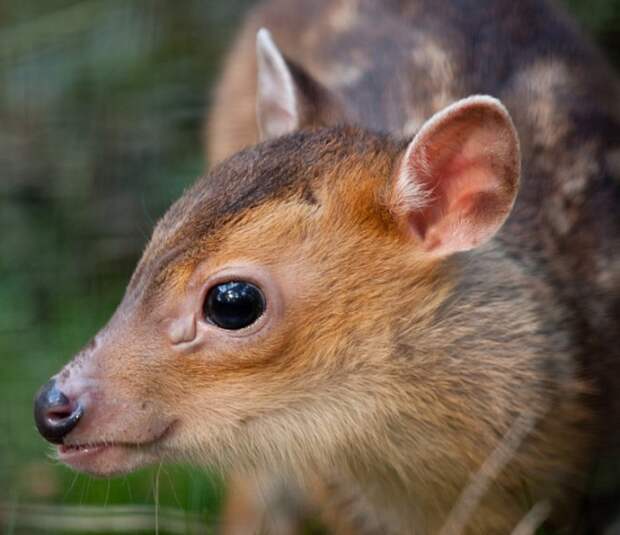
(101, 107)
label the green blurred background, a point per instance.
(101, 107)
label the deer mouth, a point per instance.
(109, 458)
(82, 456)
(67, 450)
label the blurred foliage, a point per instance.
(101, 106)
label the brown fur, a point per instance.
(395, 352)
(395, 63)
(324, 352)
(389, 376)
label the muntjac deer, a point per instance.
(355, 303)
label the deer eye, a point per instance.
(234, 305)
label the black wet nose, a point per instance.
(54, 414)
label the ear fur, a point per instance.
(288, 98)
(277, 109)
(458, 179)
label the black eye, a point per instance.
(234, 305)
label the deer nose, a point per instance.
(54, 415)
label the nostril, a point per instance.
(59, 414)
(54, 414)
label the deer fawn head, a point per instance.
(266, 320)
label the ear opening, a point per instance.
(458, 179)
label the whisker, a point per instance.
(85, 490)
(156, 492)
(128, 483)
(172, 487)
(107, 494)
(68, 491)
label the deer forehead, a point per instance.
(254, 203)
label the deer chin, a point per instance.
(111, 458)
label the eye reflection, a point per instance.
(234, 305)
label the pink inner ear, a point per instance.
(454, 187)
(459, 176)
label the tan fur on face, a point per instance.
(385, 370)
(553, 277)
(391, 377)
(367, 375)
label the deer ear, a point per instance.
(457, 180)
(288, 98)
(277, 108)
